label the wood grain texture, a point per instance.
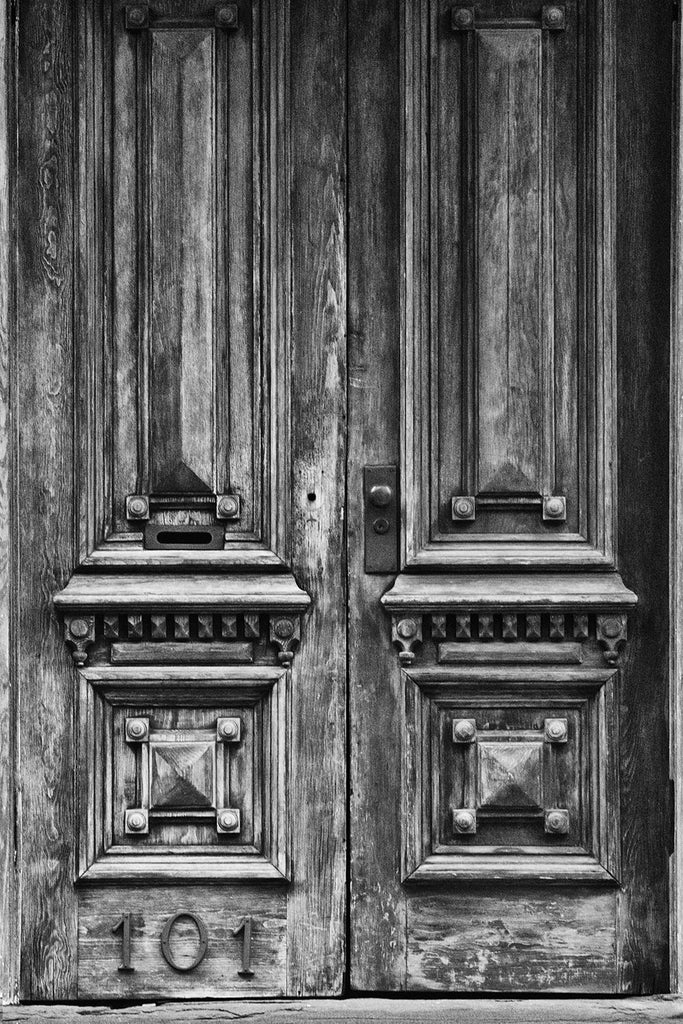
(383, 1011)
(676, 521)
(476, 941)
(44, 482)
(221, 910)
(316, 50)
(642, 295)
(377, 910)
(9, 946)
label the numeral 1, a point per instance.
(124, 927)
(245, 927)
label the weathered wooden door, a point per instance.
(335, 341)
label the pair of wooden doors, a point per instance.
(340, 379)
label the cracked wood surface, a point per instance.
(432, 1011)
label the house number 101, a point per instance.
(244, 928)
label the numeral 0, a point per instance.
(244, 928)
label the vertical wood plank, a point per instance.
(377, 910)
(676, 522)
(45, 497)
(9, 952)
(644, 41)
(318, 148)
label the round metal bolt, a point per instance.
(555, 821)
(137, 507)
(463, 17)
(464, 731)
(136, 15)
(554, 507)
(229, 729)
(381, 525)
(227, 16)
(136, 728)
(136, 821)
(380, 495)
(228, 505)
(79, 628)
(406, 628)
(228, 820)
(553, 16)
(464, 821)
(556, 729)
(463, 508)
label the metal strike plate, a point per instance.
(229, 730)
(380, 503)
(228, 820)
(160, 537)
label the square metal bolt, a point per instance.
(554, 18)
(229, 730)
(463, 508)
(555, 730)
(557, 821)
(137, 730)
(228, 820)
(464, 821)
(227, 16)
(137, 17)
(464, 730)
(227, 506)
(137, 506)
(136, 822)
(554, 508)
(462, 19)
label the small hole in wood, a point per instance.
(312, 496)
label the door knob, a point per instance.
(380, 495)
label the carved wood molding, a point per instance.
(510, 619)
(189, 619)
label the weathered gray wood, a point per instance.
(45, 495)
(642, 293)
(567, 654)
(199, 593)
(9, 946)
(377, 909)
(189, 653)
(383, 1011)
(316, 50)
(535, 592)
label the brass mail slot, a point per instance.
(159, 537)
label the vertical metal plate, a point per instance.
(380, 503)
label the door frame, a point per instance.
(10, 797)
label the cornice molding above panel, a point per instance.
(508, 362)
(510, 619)
(183, 325)
(182, 619)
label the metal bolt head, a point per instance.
(137, 16)
(137, 506)
(79, 628)
(554, 507)
(556, 730)
(406, 628)
(137, 729)
(228, 820)
(463, 507)
(228, 729)
(553, 17)
(464, 730)
(557, 821)
(462, 18)
(228, 506)
(227, 15)
(136, 821)
(464, 821)
(381, 525)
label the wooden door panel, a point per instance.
(184, 343)
(507, 383)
